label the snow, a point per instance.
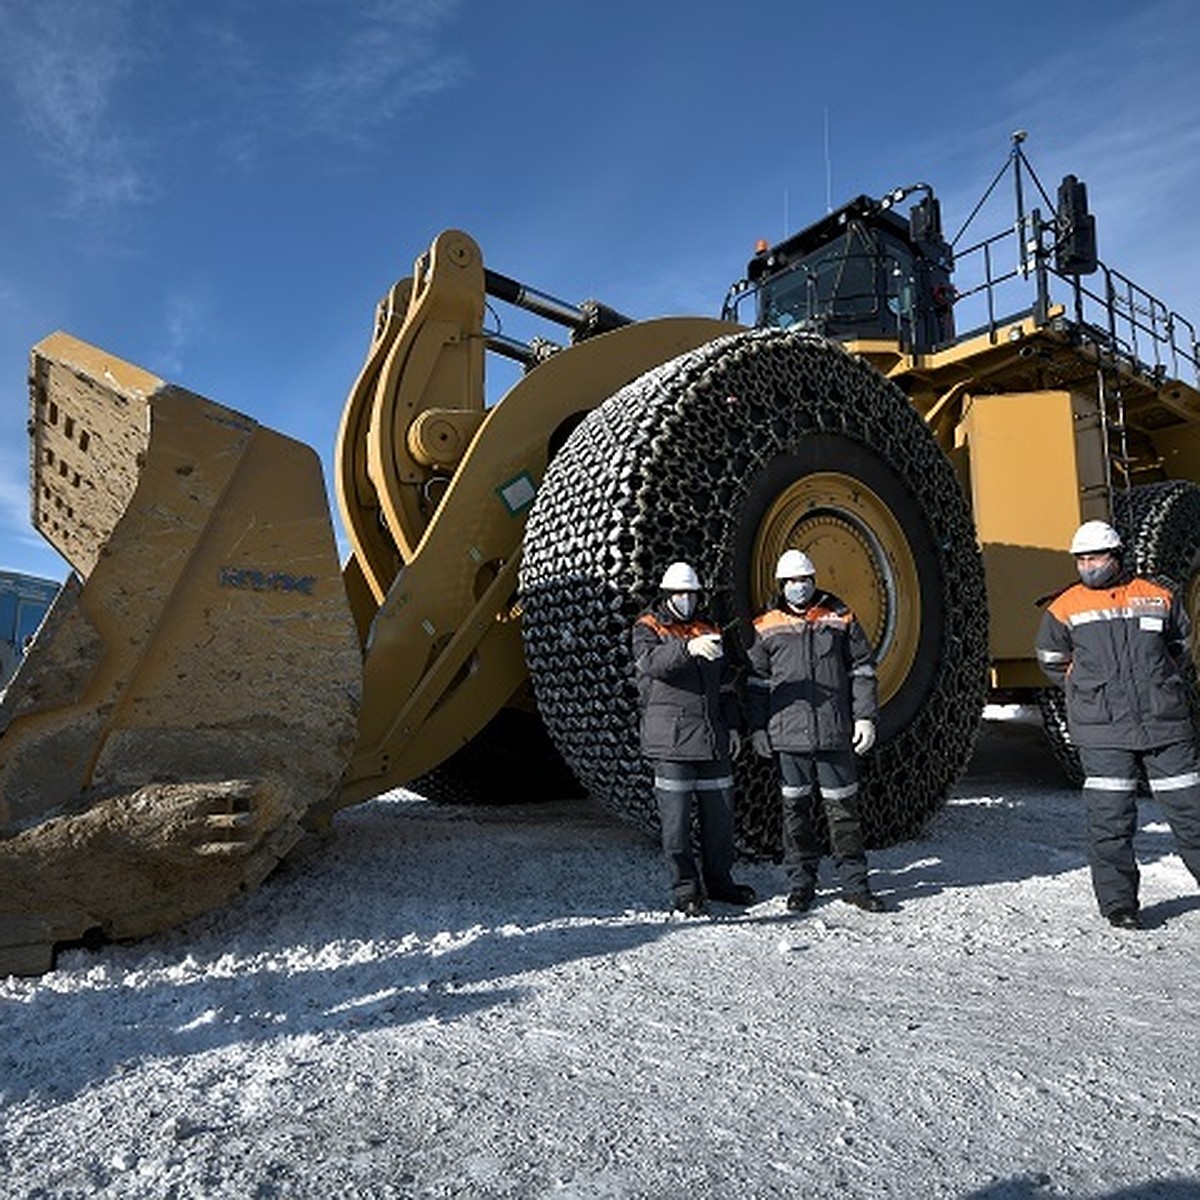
(494, 1002)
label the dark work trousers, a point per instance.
(1110, 795)
(710, 784)
(835, 776)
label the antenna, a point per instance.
(828, 168)
(1018, 157)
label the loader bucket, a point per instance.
(193, 690)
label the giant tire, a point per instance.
(1160, 527)
(724, 457)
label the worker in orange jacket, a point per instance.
(689, 732)
(813, 703)
(1117, 643)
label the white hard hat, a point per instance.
(679, 577)
(1094, 537)
(793, 564)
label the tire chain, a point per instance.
(656, 474)
(1160, 523)
(1052, 705)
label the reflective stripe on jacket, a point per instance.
(813, 676)
(688, 704)
(1117, 654)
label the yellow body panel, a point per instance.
(1036, 472)
(1178, 449)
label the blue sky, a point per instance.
(220, 192)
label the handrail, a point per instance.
(1119, 315)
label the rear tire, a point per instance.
(1052, 705)
(724, 457)
(1162, 524)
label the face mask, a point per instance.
(684, 604)
(798, 592)
(1101, 576)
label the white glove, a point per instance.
(735, 743)
(864, 736)
(707, 645)
(761, 743)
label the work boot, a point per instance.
(800, 899)
(866, 900)
(690, 906)
(1125, 918)
(740, 894)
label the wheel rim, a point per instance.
(864, 558)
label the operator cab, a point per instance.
(862, 272)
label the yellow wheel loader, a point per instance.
(928, 419)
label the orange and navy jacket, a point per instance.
(688, 704)
(813, 676)
(1117, 652)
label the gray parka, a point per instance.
(813, 676)
(688, 704)
(1118, 653)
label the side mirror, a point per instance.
(925, 220)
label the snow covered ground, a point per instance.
(493, 1003)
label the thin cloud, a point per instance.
(14, 504)
(1104, 129)
(385, 64)
(378, 60)
(14, 495)
(74, 67)
(1109, 127)
(184, 328)
(66, 61)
